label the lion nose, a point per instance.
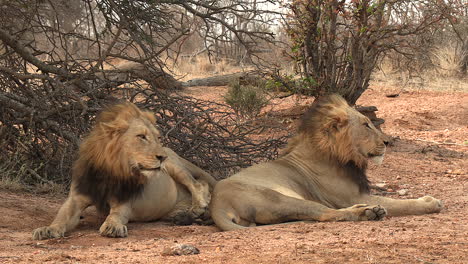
(161, 158)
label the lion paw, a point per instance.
(47, 232)
(375, 213)
(113, 230)
(201, 201)
(432, 204)
(198, 212)
(369, 213)
(183, 219)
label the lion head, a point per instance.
(118, 155)
(333, 130)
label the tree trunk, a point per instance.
(124, 71)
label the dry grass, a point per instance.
(19, 173)
(15, 184)
(442, 76)
(11, 184)
(427, 81)
(201, 66)
(447, 60)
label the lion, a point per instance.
(321, 176)
(125, 172)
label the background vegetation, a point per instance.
(62, 61)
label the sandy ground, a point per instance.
(429, 156)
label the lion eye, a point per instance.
(142, 136)
(367, 125)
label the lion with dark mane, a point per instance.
(321, 176)
(127, 174)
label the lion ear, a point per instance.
(114, 127)
(338, 122)
(150, 116)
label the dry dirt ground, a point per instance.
(429, 156)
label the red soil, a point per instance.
(428, 157)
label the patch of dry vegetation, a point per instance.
(188, 68)
(247, 100)
(441, 75)
(17, 172)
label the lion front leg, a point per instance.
(67, 218)
(199, 190)
(115, 223)
(396, 207)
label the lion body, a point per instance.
(321, 176)
(159, 198)
(125, 172)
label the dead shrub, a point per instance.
(448, 60)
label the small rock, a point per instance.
(402, 192)
(381, 185)
(180, 250)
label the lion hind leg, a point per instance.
(228, 219)
(67, 218)
(236, 205)
(294, 209)
(397, 207)
(181, 214)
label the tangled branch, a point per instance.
(210, 135)
(61, 63)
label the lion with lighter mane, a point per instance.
(320, 177)
(125, 172)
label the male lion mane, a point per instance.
(326, 127)
(102, 170)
